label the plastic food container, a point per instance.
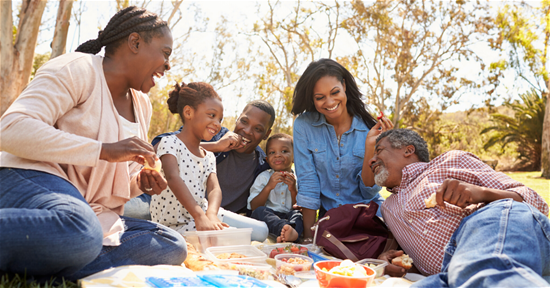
(255, 270)
(329, 280)
(377, 265)
(268, 248)
(251, 253)
(284, 263)
(226, 237)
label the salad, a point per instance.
(290, 249)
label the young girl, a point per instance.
(189, 169)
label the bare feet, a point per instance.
(288, 234)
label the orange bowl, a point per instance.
(329, 280)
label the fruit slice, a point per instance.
(380, 116)
(157, 166)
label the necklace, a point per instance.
(338, 137)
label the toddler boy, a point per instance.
(274, 191)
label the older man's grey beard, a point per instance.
(382, 176)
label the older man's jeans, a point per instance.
(48, 229)
(504, 244)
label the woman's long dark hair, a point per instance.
(122, 24)
(303, 94)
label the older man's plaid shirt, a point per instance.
(423, 233)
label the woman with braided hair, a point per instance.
(73, 145)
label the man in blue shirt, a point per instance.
(239, 159)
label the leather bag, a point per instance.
(353, 231)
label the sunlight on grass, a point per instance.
(533, 181)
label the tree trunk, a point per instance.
(17, 59)
(545, 149)
(62, 22)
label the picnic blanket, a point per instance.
(135, 276)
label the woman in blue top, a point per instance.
(334, 138)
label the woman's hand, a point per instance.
(383, 125)
(392, 270)
(203, 223)
(151, 182)
(131, 149)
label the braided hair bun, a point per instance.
(122, 24)
(191, 94)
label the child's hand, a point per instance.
(290, 180)
(204, 223)
(275, 178)
(214, 218)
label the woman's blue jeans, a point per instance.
(48, 229)
(504, 244)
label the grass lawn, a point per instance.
(19, 282)
(533, 181)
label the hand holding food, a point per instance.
(404, 261)
(431, 202)
(130, 149)
(157, 166)
(391, 269)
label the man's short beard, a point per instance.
(382, 176)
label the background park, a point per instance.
(468, 75)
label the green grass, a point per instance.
(21, 282)
(533, 181)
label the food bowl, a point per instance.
(290, 264)
(329, 280)
(377, 265)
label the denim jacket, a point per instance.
(220, 156)
(329, 175)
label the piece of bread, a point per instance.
(196, 262)
(430, 202)
(404, 261)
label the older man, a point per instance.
(487, 229)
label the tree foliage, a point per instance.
(290, 35)
(522, 41)
(410, 49)
(524, 128)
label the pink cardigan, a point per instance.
(57, 125)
